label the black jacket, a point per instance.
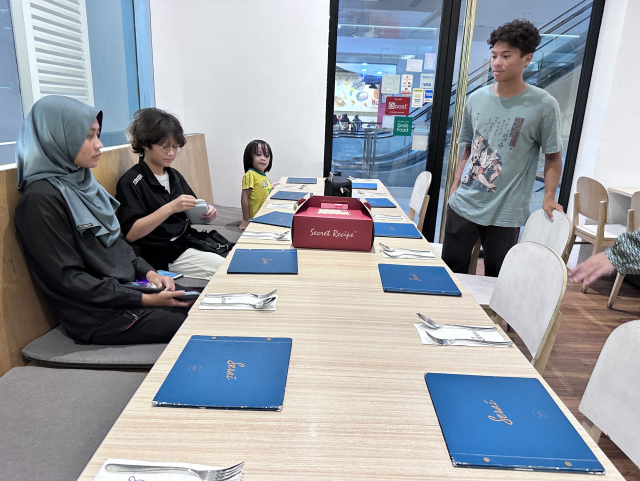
(80, 277)
(140, 194)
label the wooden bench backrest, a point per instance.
(192, 164)
(24, 315)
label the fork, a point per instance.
(280, 206)
(428, 322)
(261, 304)
(449, 342)
(389, 250)
(205, 475)
(245, 294)
(273, 235)
(414, 255)
(370, 194)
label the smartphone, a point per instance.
(188, 296)
(173, 275)
(143, 286)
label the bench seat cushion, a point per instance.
(56, 348)
(53, 420)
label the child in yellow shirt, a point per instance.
(256, 187)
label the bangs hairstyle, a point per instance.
(520, 34)
(152, 126)
(252, 149)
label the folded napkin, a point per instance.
(103, 475)
(281, 206)
(214, 302)
(266, 235)
(400, 254)
(457, 333)
(387, 217)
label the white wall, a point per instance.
(607, 144)
(239, 70)
(607, 150)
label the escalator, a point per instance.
(375, 152)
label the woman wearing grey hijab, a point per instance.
(71, 237)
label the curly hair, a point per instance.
(152, 126)
(520, 34)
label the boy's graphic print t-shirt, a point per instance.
(260, 189)
(506, 138)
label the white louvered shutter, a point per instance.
(53, 52)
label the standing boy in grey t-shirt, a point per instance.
(503, 129)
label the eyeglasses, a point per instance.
(165, 148)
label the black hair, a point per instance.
(520, 34)
(252, 149)
(151, 126)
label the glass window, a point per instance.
(555, 67)
(88, 50)
(377, 41)
(114, 68)
(10, 99)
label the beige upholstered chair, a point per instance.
(633, 223)
(420, 199)
(592, 201)
(612, 397)
(540, 229)
(528, 294)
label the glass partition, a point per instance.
(377, 43)
(10, 98)
(88, 50)
(555, 67)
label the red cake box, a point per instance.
(340, 223)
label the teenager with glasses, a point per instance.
(154, 199)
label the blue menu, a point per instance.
(364, 185)
(302, 180)
(228, 373)
(417, 280)
(381, 202)
(281, 219)
(508, 423)
(390, 229)
(263, 261)
(288, 195)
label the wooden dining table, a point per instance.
(356, 405)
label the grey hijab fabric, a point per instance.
(49, 141)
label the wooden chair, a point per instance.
(420, 199)
(540, 229)
(612, 397)
(633, 223)
(528, 294)
(592, 201)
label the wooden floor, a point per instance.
(586, 325)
